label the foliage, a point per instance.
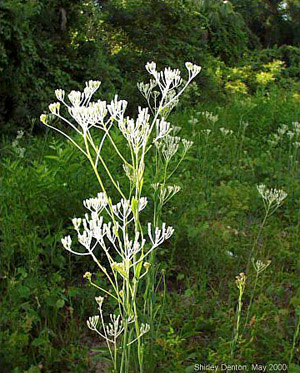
(43, 44)
(43, 307)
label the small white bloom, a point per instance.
(60, 94)
(206, 132)
(160, 234)
(226, 131)
(193, 121)
(271, 196)
(115, 328)
(76, 223)
(210, 116)
(67, 242)
(96, 204)
(296, 126)
(187, 145)
(151, 67)
(162, 128)
(92, 322)
(260, 266)
(99, 300)
(192, 69)
(75, 97)
(169, 146)
(144, 329)
(43, 118)
(54, 108)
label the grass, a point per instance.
(216, 216)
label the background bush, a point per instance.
(249, 53)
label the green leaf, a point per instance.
(60, 303)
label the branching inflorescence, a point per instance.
(116, 227)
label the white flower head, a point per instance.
(260, 266)
(76, 223)
(96, 204)
(226, 131)
(115, 327)
(187, 145)
(282, 129)
(60, 94)
(272, 196)
(142, 203)
(75, 98)
(206, 132)
(92, 322)
(54, 108)
(99, 300)
(43, 118)
(151, 67)
(192, 69)
(136, 131)
(90, 88)
(166, 192)
(169, 146)
(146, 88)
(122, 209)
(85, 238)
(162, 128)
(193, 121)
(144, 329)
(296, 126)
(210, 116)
(160, 234)
(67, 242)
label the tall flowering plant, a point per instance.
(115, 227)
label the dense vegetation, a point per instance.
(245, 95)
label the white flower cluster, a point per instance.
(209, 116)
(93, 231)
(136, 131)
(271, 197)
(260, 266)
(87, 114)
(226, 131)
(169, 82)
(165, 193)
(113, 329)
(293, 134)
(206, 132)
(169, 146)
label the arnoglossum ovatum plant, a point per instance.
(115, 226)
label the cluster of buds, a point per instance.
(240, 281)
(168, 81)
(115, 327)
(209, 116)
(169, 146)
(136, 131)
(95, 230)
(226, 131)
(260, 266)
(271, 197)
(160, 235)
(123, 209)
(165, 193)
